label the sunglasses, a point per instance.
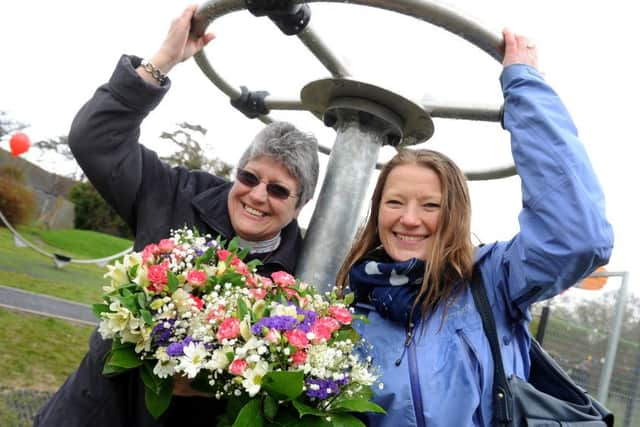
(274, 190)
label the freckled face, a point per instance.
(255, 215)
(409, 212)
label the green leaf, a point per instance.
(249, 415)
(125, 357)
(150, 380)
(129, 302)
(287, 384)
(304, 409)
(345, 420)
(206, 256)
(242, 309)
(253, 264)
(133, 272)
(243, 253)
(172, 281)
(110, 370)
(359, 405)
(142, 299)
(234, 244)
(346, 334)
(361, 317)
(98, 309)
(269, 407)
(157, 403)
(349, 298)
(146, 315)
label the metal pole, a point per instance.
(337, 213)
(628, 413)
(614, 337)
(542, 324)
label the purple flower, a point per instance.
(199, 252)
(321, 388)
(280, 323)
(177, 348)
(309, 319)
(161, 332)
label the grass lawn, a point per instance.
(38, 352)
(26, 269)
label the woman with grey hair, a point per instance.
(275, 178)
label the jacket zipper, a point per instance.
(414, 377)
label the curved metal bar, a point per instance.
(314, 43)
(441, 15)
(437, 14)
(489, 174)
(483, 113)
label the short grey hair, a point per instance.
(296, 150)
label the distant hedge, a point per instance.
(17, 201)
(93, 213)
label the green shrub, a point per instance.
(17, 202)
(13, 172)
(93, 213)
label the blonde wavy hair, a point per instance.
(450, 263)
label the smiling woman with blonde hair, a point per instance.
(411, 266)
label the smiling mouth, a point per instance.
(253, 212)
(408, 238)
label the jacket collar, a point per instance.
(212, 206)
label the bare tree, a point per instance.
(190, 152)
(9, 125)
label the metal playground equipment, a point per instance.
(364, 116)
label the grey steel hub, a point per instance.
(411, 124)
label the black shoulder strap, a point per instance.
(502, 398)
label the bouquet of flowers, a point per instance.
(273, 347)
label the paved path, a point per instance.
(30, 302)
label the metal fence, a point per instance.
(599, 359)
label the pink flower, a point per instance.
(240, 266)
(258, 293)
(166, 245)
(321, 332)
(273, 336)
(196, 277)
(197, 302)
(216, 314)
(157, 274)
(238, 366)
(149, 252)
(282, 278)
(299, 357)
(329, 322)
(291, 293)
(229, 328)
(297, 338)
(252, 281)
(341, 314)
(265, 282)
(223, 254)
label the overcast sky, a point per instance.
(54, 55)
